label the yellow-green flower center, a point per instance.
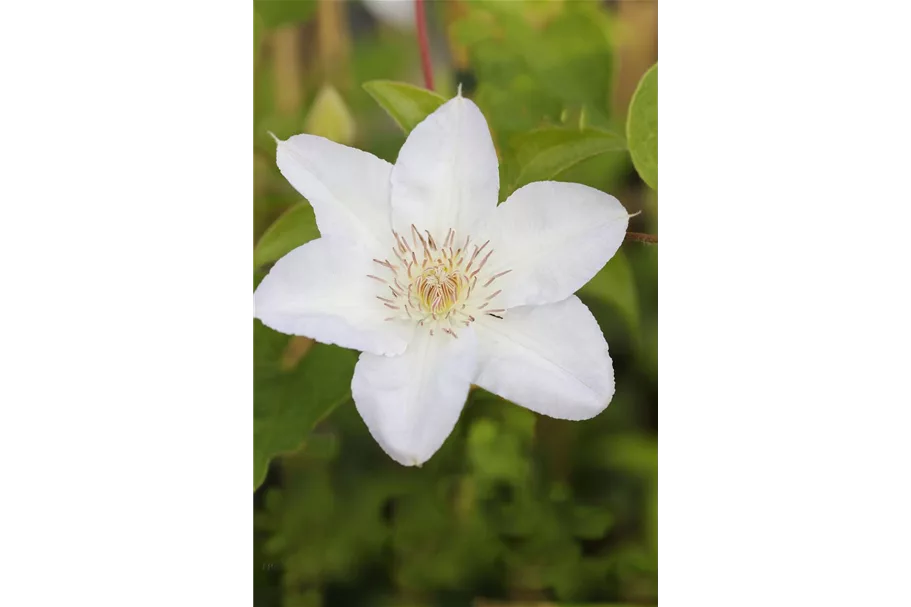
(439, 288)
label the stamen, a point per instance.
(385, 263)
(484, 261)
(496, 276)
(439, 291)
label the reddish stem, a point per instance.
(424, 44)
(639, 237)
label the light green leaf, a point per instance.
(282, 12)
(288, 403)
(616, 285)
(407, 104)
(571, 57)
(330, 117)
(543, 154)
(293, 228)
(642, 127)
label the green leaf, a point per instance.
(293, 228)
(288, 403)
(572, 57)
(407, 104)
(642, 127)
(545, 153)
(282, 12)
(330, 117)
(616, 285)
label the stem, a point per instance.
(640, 237)
(423, 43)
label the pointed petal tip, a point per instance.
(460, 91)
(277, 140)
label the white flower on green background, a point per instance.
(439, 287)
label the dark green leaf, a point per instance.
(545, 153)
(642, 127)
(288, 403)
(407, 104)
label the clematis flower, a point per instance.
(439, 287)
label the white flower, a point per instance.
(439, 287)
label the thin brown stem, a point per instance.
(640, 237)
(423, 43)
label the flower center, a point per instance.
(444, 287)
(439, 288)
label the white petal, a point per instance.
(551, 359)
(446, 174)
(321, 290)
(348, 188)
(411, 402)
(554, 237)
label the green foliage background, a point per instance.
(515, 508)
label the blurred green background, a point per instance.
(516, 508)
